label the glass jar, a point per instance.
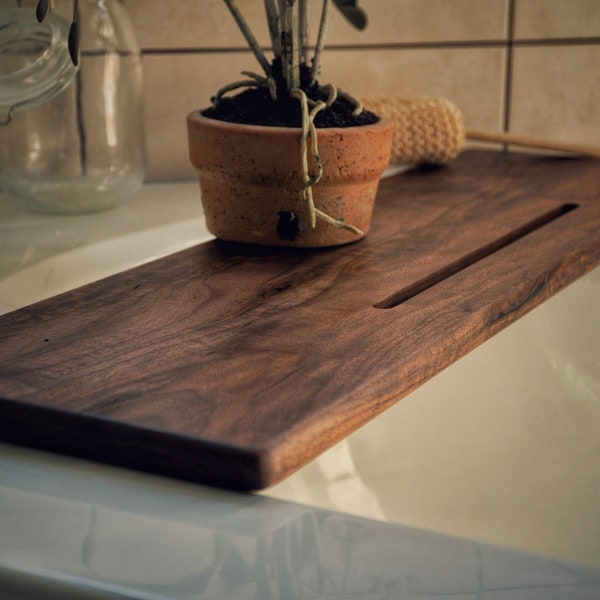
(82, 149)
(34, 60)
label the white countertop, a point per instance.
(502, 448)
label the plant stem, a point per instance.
(303, 29)
(320, 41)
(274, 29)
(247, 33)
(290, 50)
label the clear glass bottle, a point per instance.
(82, 150)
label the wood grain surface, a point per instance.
(234, 366)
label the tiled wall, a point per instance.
(529, 66)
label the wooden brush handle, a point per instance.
(527, 141)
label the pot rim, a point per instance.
(198, 118)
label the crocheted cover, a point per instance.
(426, 130)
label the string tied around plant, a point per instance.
(309, 133)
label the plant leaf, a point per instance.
(354, 14)
(73, 42)
(41, 10)
(249, 36)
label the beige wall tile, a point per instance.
(208, 23)
(174, 86)
(557, 18)
(473, 78)
(556, 93)
(194, 23)
(410, 21)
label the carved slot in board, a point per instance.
(472, 257)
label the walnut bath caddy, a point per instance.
(234, 366)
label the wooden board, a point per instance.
(234, 366)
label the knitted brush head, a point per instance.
(426, 130)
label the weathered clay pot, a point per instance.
(250, 180)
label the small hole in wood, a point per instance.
(471, 258)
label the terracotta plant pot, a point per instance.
(251, 177)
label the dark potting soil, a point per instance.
(254, 106)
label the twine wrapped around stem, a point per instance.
(309, 131)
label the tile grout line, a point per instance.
(507, 104)
(511, 41)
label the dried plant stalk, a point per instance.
(316, 64)
(303, 28)
(290, 42)
(274, 29)
(254, 81)
(247, 33)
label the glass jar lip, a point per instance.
(48, 72)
